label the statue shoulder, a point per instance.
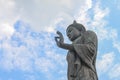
(90, 36)
(90, 33)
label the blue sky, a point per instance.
(27, 29)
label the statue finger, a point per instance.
(59, 33)
(56, 39)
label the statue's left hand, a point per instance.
(59, 39)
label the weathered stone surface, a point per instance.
(82, 52)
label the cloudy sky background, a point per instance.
(27, 29)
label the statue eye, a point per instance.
(70, 30)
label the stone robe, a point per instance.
(81, 61)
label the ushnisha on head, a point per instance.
(75, 30)
(78, 26)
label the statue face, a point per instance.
(72, 33)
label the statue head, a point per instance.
(75, 30)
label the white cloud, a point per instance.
(59, 58)
(83, 16)
(14, 54)
(30, 77)
(30, 51)
(99, 12)
(113, 34)
(7, 18)
(116, 44)
(105, 62)
(114, 37)
(41, 13)
(44, 14)
(116, 3)
(99, 23)
(16, 58)
(6, 30)
(115, 72)
(93, 18)
(6, 8)
(44, 64)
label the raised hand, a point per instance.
(59, 39)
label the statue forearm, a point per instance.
(67, 46)
(60, 42)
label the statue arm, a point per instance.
(60, 42)
(67, 46)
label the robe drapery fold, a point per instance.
(81, 61)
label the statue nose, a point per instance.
(69, 35)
